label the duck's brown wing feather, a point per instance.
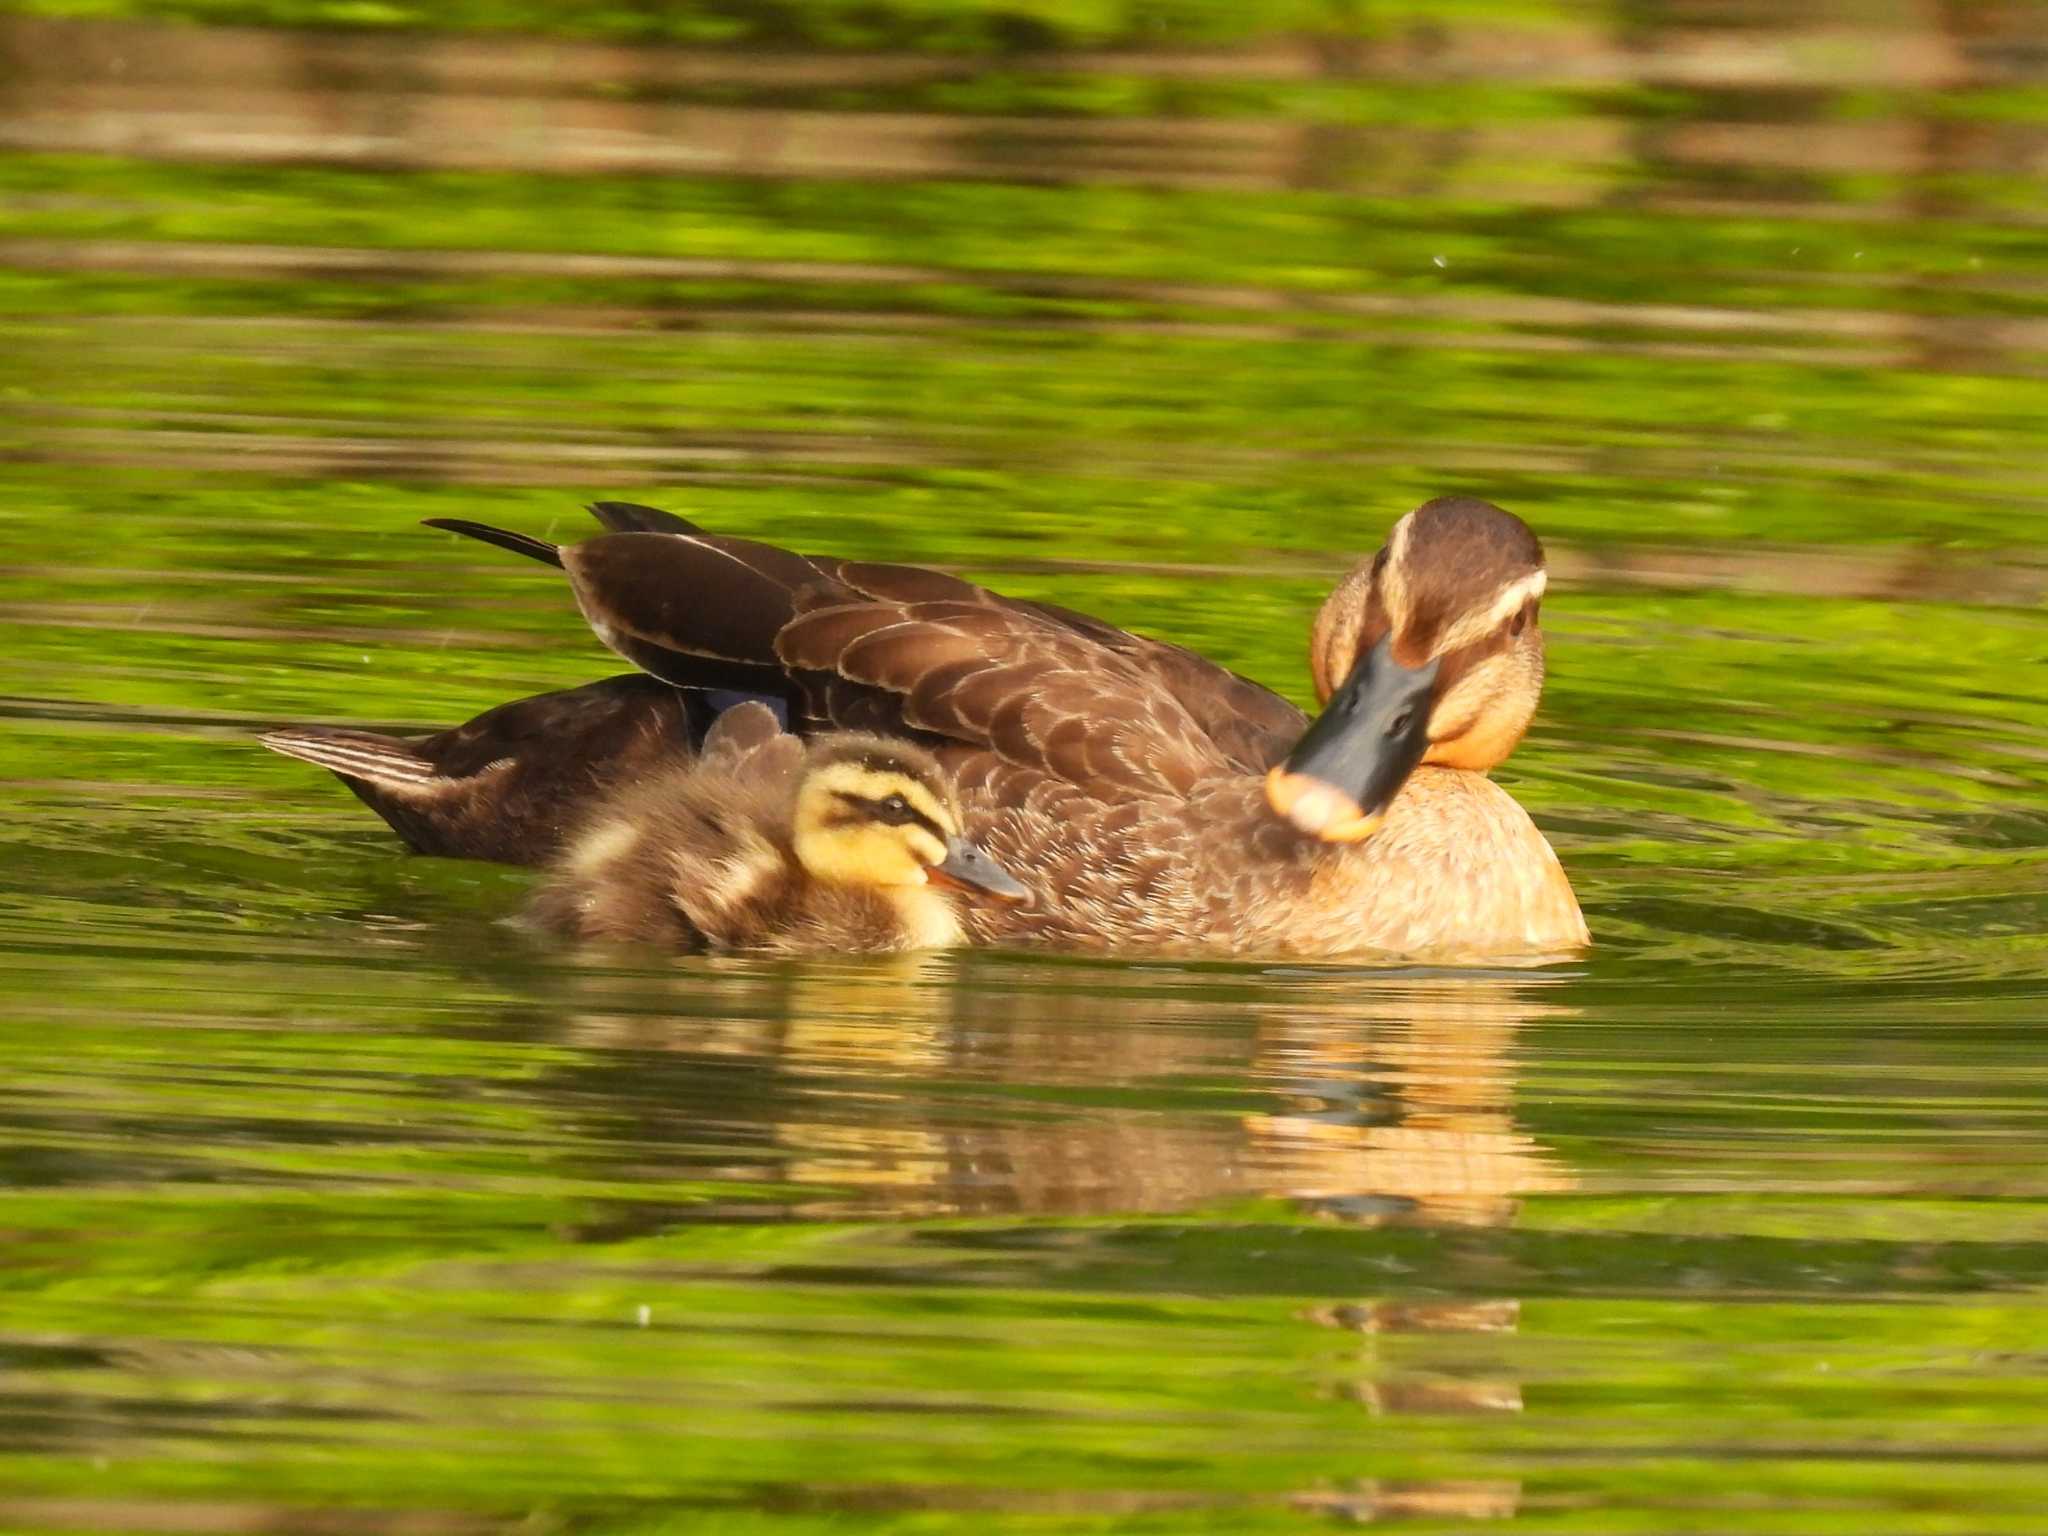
(1004, 679)
(1250, 726)
(699, 610)
(857, 645)
(693, 609)
(1251, 723)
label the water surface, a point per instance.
(328, 1202)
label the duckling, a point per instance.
(509, 784)
(849, 843)
(1155, 800)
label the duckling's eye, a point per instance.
(895, 810)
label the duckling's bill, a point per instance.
(967, 868)
(1342, 775)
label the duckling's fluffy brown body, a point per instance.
(704, 855)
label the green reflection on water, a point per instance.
(326, 1197)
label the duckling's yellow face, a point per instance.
(858, 824)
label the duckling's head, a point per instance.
(1429, 652)
(873, 812)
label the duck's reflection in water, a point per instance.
(1402, 1103)
(1403, 1111)
(949, 1087)
(912, 1087)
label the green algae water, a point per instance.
(330, 1203)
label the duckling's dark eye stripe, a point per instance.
(888, 815)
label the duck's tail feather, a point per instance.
(518, 543)
(631, 517)
(385, 761)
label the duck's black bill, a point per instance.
(967, 868)
(1345, 771)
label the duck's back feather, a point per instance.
(901, 650)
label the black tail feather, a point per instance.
(518, 543)
(631, 517)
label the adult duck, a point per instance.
(1152, 799)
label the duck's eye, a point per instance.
(895, 810)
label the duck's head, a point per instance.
(882, 813)
(1429, 652)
